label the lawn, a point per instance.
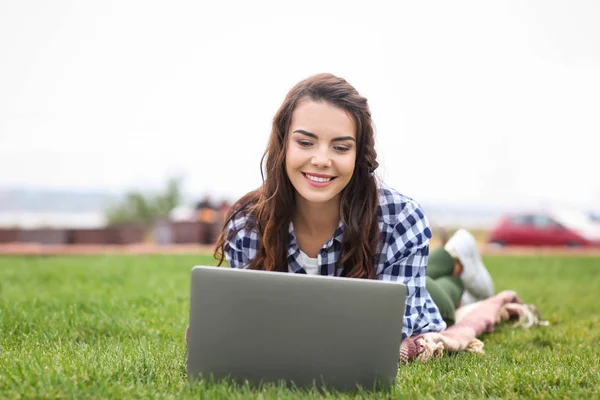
(113, 327)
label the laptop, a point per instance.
(301, 330)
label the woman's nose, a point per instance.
(321, 159)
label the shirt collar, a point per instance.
(294, 250)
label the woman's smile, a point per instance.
(318, 180)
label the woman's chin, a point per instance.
(322, 197)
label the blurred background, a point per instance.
(141, 122)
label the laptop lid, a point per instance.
(261, 327)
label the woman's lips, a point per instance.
(318, 184)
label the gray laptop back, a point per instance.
(262, 327)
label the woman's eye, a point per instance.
(342, 149)
(304, 143)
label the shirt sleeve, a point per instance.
(406, 261)
(241, 245)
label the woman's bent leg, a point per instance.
(445, 289)
(443, 298)
(440, 263)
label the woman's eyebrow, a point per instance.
(312, 135)
(342, 138)
(309, 134)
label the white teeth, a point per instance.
(317, 179)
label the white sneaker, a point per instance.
(476, 278)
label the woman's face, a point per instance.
(321, 150)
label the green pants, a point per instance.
(445, 289)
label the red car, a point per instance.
(545, 229)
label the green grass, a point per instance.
(113, 327)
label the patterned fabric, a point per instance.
(403, 257)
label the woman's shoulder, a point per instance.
(395, 207)
(241, 242)
(241, 221)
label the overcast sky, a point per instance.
(474, 102)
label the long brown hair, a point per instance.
(272, 205)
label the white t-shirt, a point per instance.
(310, 265)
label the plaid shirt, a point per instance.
(403, 257)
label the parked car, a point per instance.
(556, 228)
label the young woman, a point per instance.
(321, 210)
